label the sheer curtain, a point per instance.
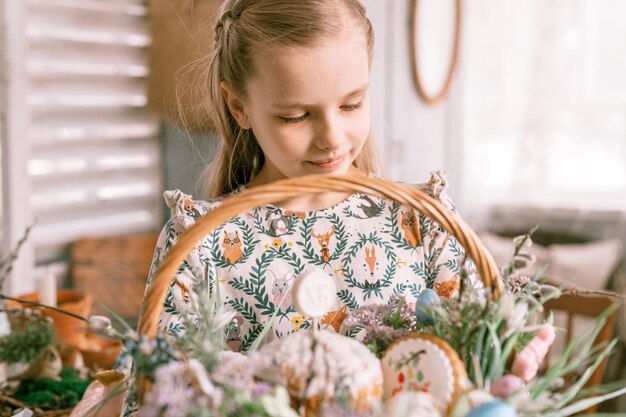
(543, 103)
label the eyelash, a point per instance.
(355, 106)
(347, 107)
(291, 120)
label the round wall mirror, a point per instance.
(435, 32)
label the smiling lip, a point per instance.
(328, 164)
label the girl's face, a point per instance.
(308, 108)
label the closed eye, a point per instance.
(354, 106)
(294, 119)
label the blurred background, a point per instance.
(532, 129)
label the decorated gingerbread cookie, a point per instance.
(424, 363)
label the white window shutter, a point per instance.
(94, 163)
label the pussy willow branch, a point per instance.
(518, 248)
(580, 291)
(6, 265)
(36, 304)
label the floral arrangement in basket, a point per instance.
(496, 344)
(473, 355)
(499, 343)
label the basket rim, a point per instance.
(284, 189)
(295, 187)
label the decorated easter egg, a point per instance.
(469, 400)
(495, 408)
(314, 293)
(412, 404)
(423, 363)
(427, 298)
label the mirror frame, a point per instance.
(433, 98)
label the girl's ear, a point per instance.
(235, 106)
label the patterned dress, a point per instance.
(372, 247)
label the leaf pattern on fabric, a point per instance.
(373, 248)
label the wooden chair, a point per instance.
(589, 307)
(114, 271)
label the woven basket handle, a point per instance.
(297, 187)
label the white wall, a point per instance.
(416, 138)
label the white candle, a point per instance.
(47, 289)
(4, 324)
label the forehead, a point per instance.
(312, 74)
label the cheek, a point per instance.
(362, 128)
(362, 123)
(292, 139)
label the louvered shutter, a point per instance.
(94, 163)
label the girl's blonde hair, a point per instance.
(248, 27)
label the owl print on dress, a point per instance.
(280, 289)
(190, 208)
(410, 228)
(323, 239)
(232, 246)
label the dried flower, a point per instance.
(171, 394)
(522, 241)
(99, 324)
(278, 404)
(222, 319)
(146, 347)
(200, 375)
(517, 283)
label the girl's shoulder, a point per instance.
(436, 187)
(185, 210)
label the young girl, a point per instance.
(288, 93)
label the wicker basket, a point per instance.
(296, 187)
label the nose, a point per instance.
(330, 133)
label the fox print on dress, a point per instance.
(370, 259)
(334, 319)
